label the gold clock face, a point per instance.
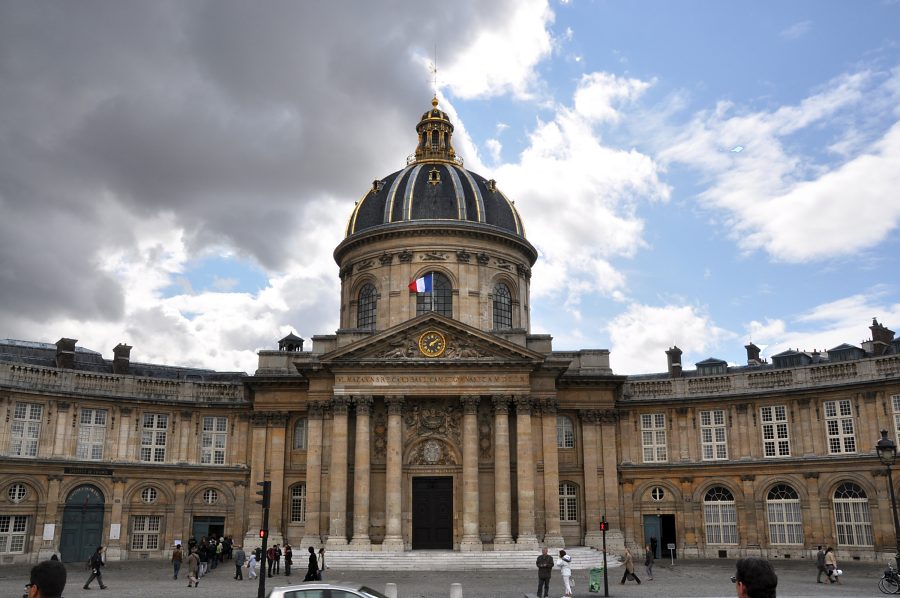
(432, 344)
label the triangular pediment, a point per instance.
(446, 341)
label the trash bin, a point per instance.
(596, 580)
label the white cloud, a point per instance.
(494, 148)
(797, 30)
(597, 93)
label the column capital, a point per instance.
(501, 403)
(470, 403)
(315, 410)
(340, 405)
(186, 414)
(260, 420)
(63, 405)
(278, 420)
(523, 404)
(363, 404)
(394, 404)
(548, 405)
(591, 416)
(54, 478)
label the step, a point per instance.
(447, 560)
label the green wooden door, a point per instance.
(82, 525)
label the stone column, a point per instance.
(393, 504)
(275, 465)
(182, 525)
(502, 484)
(471, 538)
(361, 474)
(46, 548)
(552, 533)
(260, 442)
(337, 474)
(526, 539)
(592, 509)
(116, 548)
(59, 439)
(606, 451)
(312, 534)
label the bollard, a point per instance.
(390, 590)
(456, 590)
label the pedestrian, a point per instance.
(545, 571)
(203, 555)
(820, 564)
(754, 578)
(564, 563)
(629, 568)
(649, 557)
(288, 559)
(95, 563)
(239, 558)
(653, 545)
(177, 555)
(277, 567)
(312, 569)
(220, 551)
(193, 562)
(320, 563)
(47, 580)
(831, 566)
(213, 554)
(251, 565)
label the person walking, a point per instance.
(47, 580)
(203, 555)
(629, 569)
(754, 578)
(288, 559)
(563, 562)
(270, 558)
(312, 569)
(820, 564)
(320, 563)
(545, 571)
(649, 557)
(177, 555)
(193, 562)
(95, 563)
(831, 566)
(239, 559)
(251, 565)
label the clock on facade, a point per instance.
(432, 344)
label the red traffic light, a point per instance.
(604, 526)
(262, 533)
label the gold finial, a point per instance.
(434, 101)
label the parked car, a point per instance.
(315, 589)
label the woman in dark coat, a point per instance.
(312, 570)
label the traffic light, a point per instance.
(262, 533)
(266, 494)
(604, 526)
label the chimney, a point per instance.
(674, 359)
(121, 358)
(752, 354)
(65, 353)
(881, 338)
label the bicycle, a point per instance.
(890, 581)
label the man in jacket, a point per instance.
(545, 570)
(47, 580)
(239, 558)
(95, 563)
(820, 564)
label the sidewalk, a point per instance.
(688, 579)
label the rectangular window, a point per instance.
(91, 434)
(565, 432)
(840, 427)
(298, 503)
(713, 440)
(153, 437)
(721, 522)
(785, 522)
(212, 441)
(895, 400)
(568, 502)
(776, 438)
(145, 532)
(26, 430)
(653, 437)
(13, 529)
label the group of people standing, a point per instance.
(546, 564)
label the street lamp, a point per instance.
(887, 453)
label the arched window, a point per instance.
(568, 501)
(365, 307)
(439, 300)
(502, 307)
(785, 521)
(300, 434)
(720, 516)
(851, 514)
(298, 503)
(565, 432)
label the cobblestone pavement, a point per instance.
(694, 579)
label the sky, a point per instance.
(176, 175)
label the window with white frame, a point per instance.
(840, 427)
(145, 532)
(17, 493)
(565, 432)
(13, 529)
(300, 434)
(775, 434)
(720, 516)
(785, 520)
(568, 501)
(298, 503)
(153, 437)
(895, 401)
(149, 495)
(26, 429)
(851, 516)
(210, 496)
(212, 440)
(653, 437)
(713, 440)
(91, 434)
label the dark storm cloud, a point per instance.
(231, 115)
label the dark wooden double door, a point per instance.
(432, 500)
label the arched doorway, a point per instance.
(82, 525)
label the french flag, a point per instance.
(421, 285)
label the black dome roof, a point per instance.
(435, 186)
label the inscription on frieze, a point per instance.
(431, 379)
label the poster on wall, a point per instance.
(114, 530)
(49, 531)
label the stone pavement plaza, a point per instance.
(710, 578)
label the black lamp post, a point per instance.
(887, 453)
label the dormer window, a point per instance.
(712, 367)
(434, 177)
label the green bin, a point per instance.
(596, 580)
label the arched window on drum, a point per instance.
(502, 307)
(439, 299)
(365, 307)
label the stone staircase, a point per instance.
(583, 557)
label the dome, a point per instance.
(434, 186)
